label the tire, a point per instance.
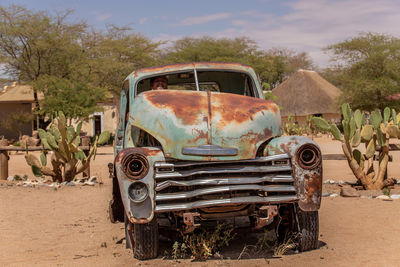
(304, 225)
(308, 225)
(142, 239)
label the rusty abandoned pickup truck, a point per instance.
(209, 148)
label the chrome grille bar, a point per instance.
(226, 181)
(222, 189)
(199, 163)
(226, 170)
(224, 202)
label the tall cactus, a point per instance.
(67, 159)
(355, 131)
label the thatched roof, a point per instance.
(306, 93)
(18, 93)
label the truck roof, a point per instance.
(187, 66)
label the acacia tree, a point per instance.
(113, 54)
(367, 70)
(272, 65)
(72, 65)
(33, 44)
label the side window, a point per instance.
(125, 88)
(123, 109)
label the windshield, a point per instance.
(202, 80)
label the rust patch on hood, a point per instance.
(238, 109)
(184, 104)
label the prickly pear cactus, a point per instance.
(67, 159)
(355, 131)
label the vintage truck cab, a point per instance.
(209, 147)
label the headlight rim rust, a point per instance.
(140, 160)
(315, 160)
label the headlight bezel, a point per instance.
(135, 165)
(308, 156)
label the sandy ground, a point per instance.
(69, 226)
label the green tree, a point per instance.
(71, 64)
(293, 60)
(367, 70)
(272, 66)
(33, 44)
(76, 97)
(116, 52)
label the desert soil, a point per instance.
(69, 226)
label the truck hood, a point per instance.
(182, 120)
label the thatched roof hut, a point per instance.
(307, 93)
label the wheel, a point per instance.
(302, 225)
(142, 238)
(308, 230)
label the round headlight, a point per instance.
(135, 165)
(308, 156)
(138, 192)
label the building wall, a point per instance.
(108, 118)
(6, 109)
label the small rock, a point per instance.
(334, 195)
(348, 191)
(10, 178)
(384, 197)
(93, 179)
(329, 182)
(70, 184)
(370, 193)
(325, 194)
(27, 185)
(42, 184)
(89, 183)
(395, 196)
(64, 183)
(341, 182)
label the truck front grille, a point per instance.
(184, 185)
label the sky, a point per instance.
(300, 25)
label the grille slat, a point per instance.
(221, 189)
(226, 181)
(183, 185)
(204, 171)
(222, 202)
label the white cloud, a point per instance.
(204, 19)
(142, 21)
(310, 25)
